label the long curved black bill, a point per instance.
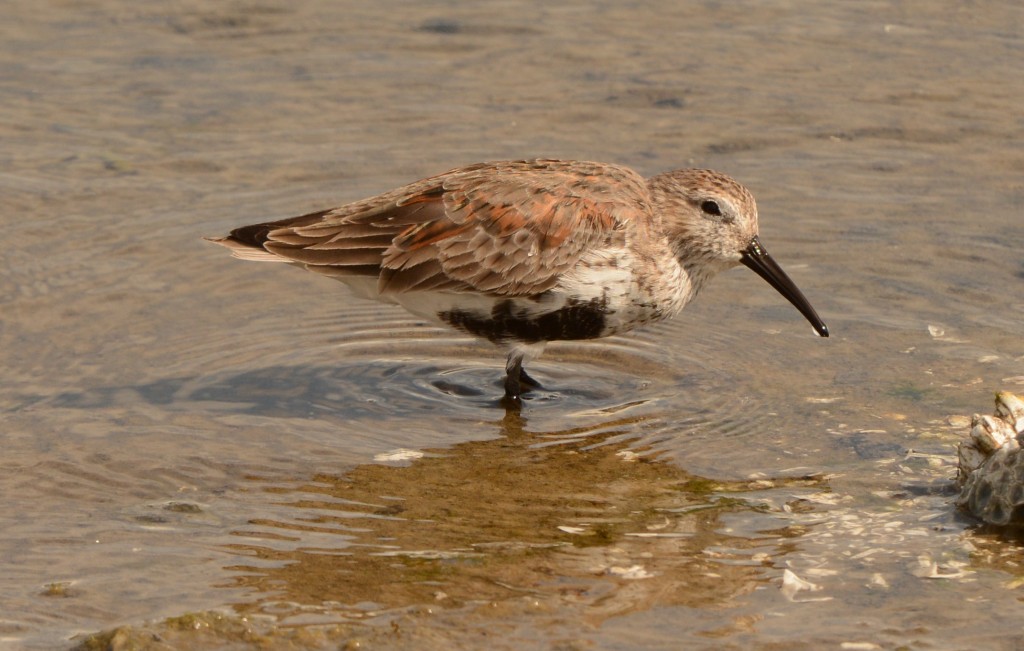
(757, 259)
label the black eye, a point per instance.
(711, 207)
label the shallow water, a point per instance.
(185, 432)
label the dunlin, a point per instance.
(525, 252)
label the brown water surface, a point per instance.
(185, 433)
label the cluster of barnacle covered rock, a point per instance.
(991, 464)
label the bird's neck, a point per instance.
(699, 274)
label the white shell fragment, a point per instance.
(992, 433)
(400, 454)
(991, 464)
(633, 572)
(793, 584)
(1010, 409)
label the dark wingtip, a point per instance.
(254, 235)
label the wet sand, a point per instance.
(251, 449)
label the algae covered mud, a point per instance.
(207, 454)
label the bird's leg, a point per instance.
(513, 374)
(516, 379)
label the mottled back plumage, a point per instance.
(508, 229)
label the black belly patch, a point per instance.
(577, 320)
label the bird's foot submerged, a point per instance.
(517, 380)
(527, 382)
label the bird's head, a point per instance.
(711, 221)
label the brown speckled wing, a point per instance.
(508, 228)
